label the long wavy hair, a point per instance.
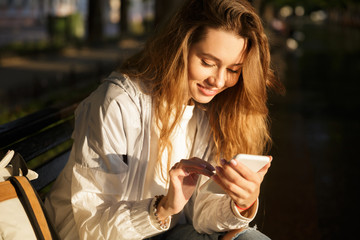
(238, 116)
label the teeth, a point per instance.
(208, 90)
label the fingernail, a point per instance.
(222, 162)
(211, 167)
(218, 169)
(233, 162)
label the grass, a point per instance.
(59, 95)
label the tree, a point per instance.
(95, 21)
(124, 16)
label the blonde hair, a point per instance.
(238, 116)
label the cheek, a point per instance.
(199, 73)
(191, 73)
(232, 80)
(194, 72)
(191, 68)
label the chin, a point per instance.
(203, 100)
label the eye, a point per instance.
(207, 64)
(234, 71)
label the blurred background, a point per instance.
(55, 52)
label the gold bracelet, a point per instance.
(163, 224)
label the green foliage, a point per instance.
(65, 29)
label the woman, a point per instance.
(148, 138)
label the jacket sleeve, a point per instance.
(100, 215)
(102, 177)
(217, 213)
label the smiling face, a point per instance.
(214, 64)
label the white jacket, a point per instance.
(98, 194)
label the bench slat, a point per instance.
(25, 126)
(40, 143)
(49, 171)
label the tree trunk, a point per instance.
(124, 16)
(95, 21)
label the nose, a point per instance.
(217, 80)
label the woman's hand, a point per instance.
(183, 180)
(239, 182)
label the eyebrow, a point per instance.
(208, 55)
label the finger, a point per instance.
(241, 195)
(196, 163)
(233, 176)
(232, 181)
(203, 163)
(202, 171)
(241, 168)
(239, 173)
(185, 169)
(174, 166)
(232, 190)
(244, 171)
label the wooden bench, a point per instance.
(43, 139)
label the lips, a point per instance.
(206, 91)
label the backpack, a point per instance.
(23, 215)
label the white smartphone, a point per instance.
(253, 162)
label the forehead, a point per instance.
(227, 46)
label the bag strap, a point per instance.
(7, 191)
(18, 162)
(34, 208)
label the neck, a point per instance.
(190, 102)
